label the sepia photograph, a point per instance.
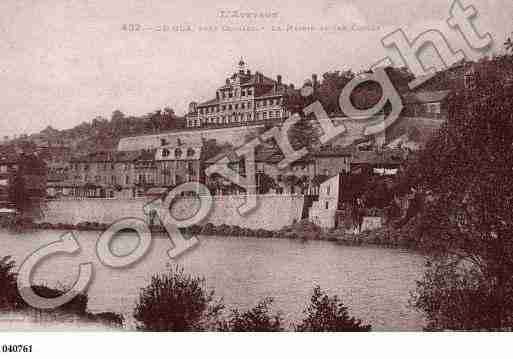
(254, 166)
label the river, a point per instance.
(375, 283)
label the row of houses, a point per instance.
(152, 172)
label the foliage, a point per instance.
(28, 189)
(456, 298)
(78, 305)
(175, 301)
(328, 314)
(8, 288)
(257, 319)
(265, 183)
(468, 168)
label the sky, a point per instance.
(63, 62)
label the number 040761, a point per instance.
(20, 348)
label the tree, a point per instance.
(469, 222)
(304, 134)
(265, 183)
(257, 319)
(28, 187)
(331, 87)
(328, 314)
(175, 301)
(8, 289)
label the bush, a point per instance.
(9, 298)
(78, 305)
(223, 230)
(109, 318)
(258, 319)
(328, 314)
(176, 301)
(246, 232)
(208, 229)
(458, 298)
(46, 225)
(235, 231)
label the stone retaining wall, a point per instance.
(273, 211)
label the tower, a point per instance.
(242, 66)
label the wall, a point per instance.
(273, 211)
(234, 135)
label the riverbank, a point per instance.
(387, 236)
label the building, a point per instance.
(246, 98)
(428, 104)
(381, 163)
(324, 212)
(301, 177)
(128, 174)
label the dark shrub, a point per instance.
(235, 231)
(109, 318)
(83, 225)
(208, 229)
(223, 229)
(46, 225)
(78, 305)
(176, 301)
(246, 232)
(8, 289)
(258, 319)
(328, 314)
(262, 233)
(195, 229)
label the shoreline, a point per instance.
(379, 238)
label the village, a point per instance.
(246, 105)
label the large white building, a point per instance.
(245, 98)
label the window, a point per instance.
(265, 115)
(243, 93)
(327, 205)
(127, 179)
(190, 152)
(178, 153)
(236, 106)
(249, 92)
(114, 180)
(328, 190)
(165, 152)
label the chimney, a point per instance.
(314, 81)
(278, 78)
